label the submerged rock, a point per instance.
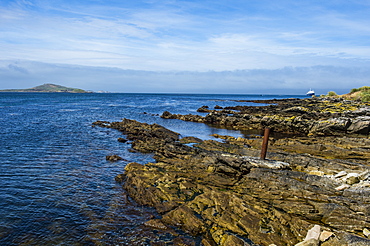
(113, 158)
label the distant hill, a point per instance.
(48, 88)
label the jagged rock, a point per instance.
(119, 178)
(188, 117)
(342, 187)
(346, 239)
(233, 240)
(257, 162)
(325, 235)
(352, 178)
(297, 109)
(316, 172)
(366, 232)
(214, 190)
(206, 242)
(313, 233)
(330, 126)
(186, 140)
(204, 109)
(360, 125)
(185, 219)
(340, 174)
(122, 140)
(166, 115)
(156, 223)
(183, 241)
(364, 175)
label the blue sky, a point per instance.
(230, 46)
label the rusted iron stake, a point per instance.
(265, 143)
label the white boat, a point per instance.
(310, 93)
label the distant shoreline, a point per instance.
(48, 88)
(6, 91)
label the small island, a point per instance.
(48, 88)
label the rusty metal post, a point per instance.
(265, 143)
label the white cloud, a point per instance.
(262, 36)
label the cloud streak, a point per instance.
(287, 80)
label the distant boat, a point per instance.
(310, 93)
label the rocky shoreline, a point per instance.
(312, 190)
(307, 117)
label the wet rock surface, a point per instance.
(221, 191)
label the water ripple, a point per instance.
(56, 188)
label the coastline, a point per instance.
(48, 88)
(219, 191)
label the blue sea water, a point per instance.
(56, 188)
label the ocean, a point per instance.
(56, 187)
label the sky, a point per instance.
(186, 46)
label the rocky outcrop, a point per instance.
(314, 116)
(113, 158)
(219, 191)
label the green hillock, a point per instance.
(48, 88)
(362, 93)
(332, 94)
